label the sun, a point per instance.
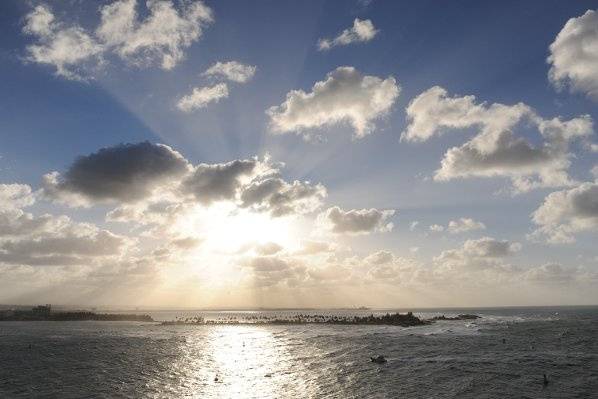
(225, 228)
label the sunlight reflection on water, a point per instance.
(239, 362)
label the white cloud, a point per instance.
(49, 240)
(346, 96)
(232, 70)
(356, 221)
(386, 267)
(15, 196)
(162, 37)
(495, 151)
(379, 257)
(436, 228)
(201, 97)
(311, 247)
(269, 248)
(76, 245)
(464, 225)
(567, 212)
(550, 272)
(480, 254)
(361, 31)
(413, 225)
(68, 49)
(574, 55)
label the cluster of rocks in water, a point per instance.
(458, 317)
(392, 319)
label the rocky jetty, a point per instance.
(458, 317)
(394, 319)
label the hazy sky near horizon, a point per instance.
(313, 153)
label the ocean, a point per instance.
(502, 355)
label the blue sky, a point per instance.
(496, 52)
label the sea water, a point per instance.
(503, 354)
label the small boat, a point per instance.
(378, 359)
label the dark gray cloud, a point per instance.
(209, 183)
(279, 198)
(124, 173)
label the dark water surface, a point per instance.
(451, 359)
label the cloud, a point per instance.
(487, 247)
(461, 225)
(213, 182)
(49, 240)
(356, 221)
(573, 57)
(385, 267)
(346, 96)
(269, 248)
(201, 97)
(551, 273)
(268, 271)
(565, 213)
(15, 196)
(161, 38)
(480, 254)
(380, 257)
(436, 228)
(15, 223)
(154, 184)
(464, 225)
(362, 31)
(126, 173)
(495, 151)
(274, 195)
(186, 243)
(62, 248)
(312, 247)
(232, 70)
(68, 49)
(175, 249)
(413, 225)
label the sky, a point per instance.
(283, 154)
